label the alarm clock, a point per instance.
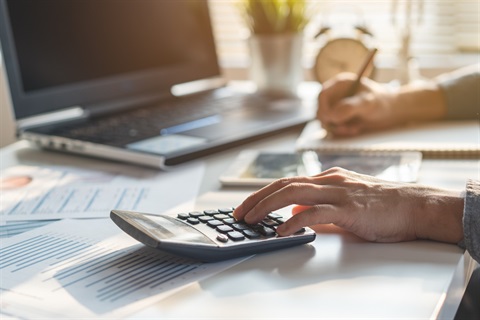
(342, 54)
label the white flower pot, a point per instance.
(276, 62)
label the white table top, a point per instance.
(338, 276)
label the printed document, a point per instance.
(57, 192)
(89, 269)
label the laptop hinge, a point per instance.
(72, 113)
(125, 103)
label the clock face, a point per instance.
(340, 55)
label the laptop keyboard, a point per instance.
(146, 122)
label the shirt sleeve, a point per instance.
(462, 92)
(471, 220)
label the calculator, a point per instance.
(209, 235)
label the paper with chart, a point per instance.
(57, 192)
(89, 269)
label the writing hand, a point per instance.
(368, 110)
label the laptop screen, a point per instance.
(60, 54)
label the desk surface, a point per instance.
(339, 276)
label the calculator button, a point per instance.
(270, 223)
(225, 210)
(264, 231)
(236, 236)
(222, 238)
(223, 228)
(240, 226)
(273, 215)
(183, 216)
(229, 221)
(210, 212)
(251, 234)
(205, 219)
(192, 220)
(195, 214)
(221, 216)
(214, 223)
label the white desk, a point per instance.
(340, 276)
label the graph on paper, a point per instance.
(72, 267)
(65, 193)
(32, 193)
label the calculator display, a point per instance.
(166, 228)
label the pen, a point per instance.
(366, 63)
(353, 89)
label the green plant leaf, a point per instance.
(274, 16)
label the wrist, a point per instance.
(440, 215)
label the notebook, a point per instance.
(120, 80)
(444, 139)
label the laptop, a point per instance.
(120, 80)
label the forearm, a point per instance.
(453, 95)
(419, 102)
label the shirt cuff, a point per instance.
(471, 220)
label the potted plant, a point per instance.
(275, 42)
(274, 16)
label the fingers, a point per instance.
(332, 92)
(320, 214)
(256, 197)
(348, 116)
(341, 115)
(298, 190)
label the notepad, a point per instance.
(448, 139)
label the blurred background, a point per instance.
(443, 35)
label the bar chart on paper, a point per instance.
(55, 192)
(69, 267)
(61, 192)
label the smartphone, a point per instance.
(259, 168)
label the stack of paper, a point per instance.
(77, 262)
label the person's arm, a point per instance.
(461, 90)
(373, 209)
(374, 107)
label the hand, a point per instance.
(371, 208)
(368, 110)
(374, 107)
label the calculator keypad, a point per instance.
(228, 228)
(210, 235)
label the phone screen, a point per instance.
(258, 168)
(278, 165)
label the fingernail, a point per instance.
(237, 212)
